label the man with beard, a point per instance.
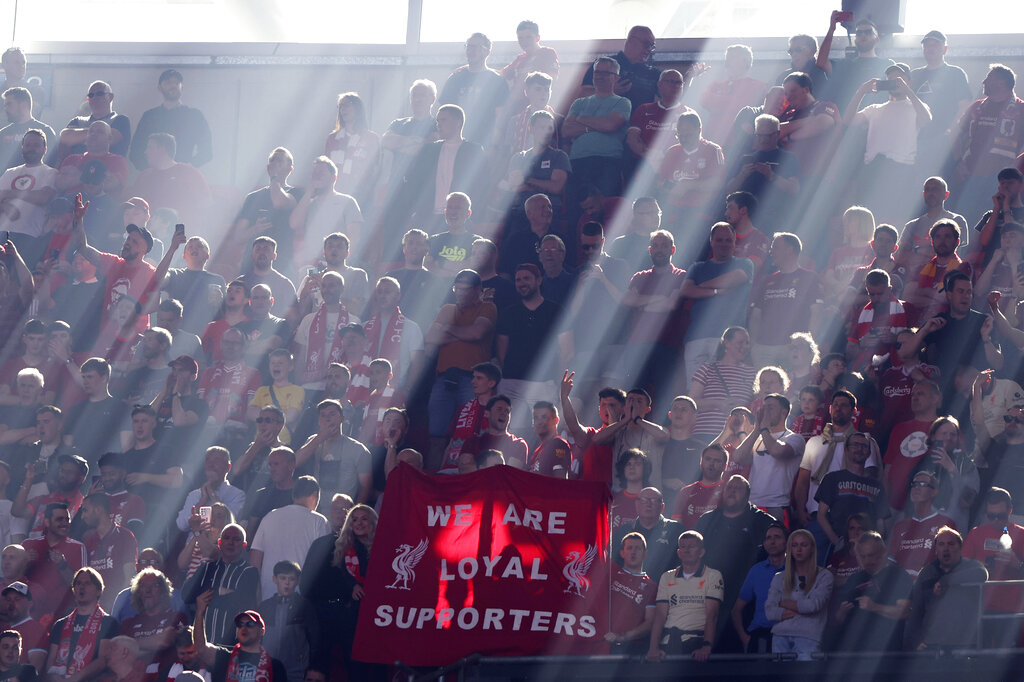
(262, 257)
(72, 472)
(127, 274)
(266, 211)
(53, 559)
(335, 254)
(720, 287)
(732, 537)
(595, 462)
(17, 606)
(112, 549)
(421, 288)
(144, 383)
(157, 621)
(850, 491)
(336, 383)
(525, 331)
(186, 124)
(653, 295)
(247, 660)
(18, 103)
(925, 288)
(822, 454)
(496, 435)
(915, 246)
(27, 189)
(252, 470)
(318, 337)
(265, 331)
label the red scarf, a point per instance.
(74, 661)
(930, 277)
(264, 669)
(352, 564)
(390, 348)
(359, 387)
(316, 362)
(897, 323)
(469, 422)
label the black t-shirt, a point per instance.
(865, 631)
(849, 74)
(680, 459)
(421, 295)
(958, 343)
(1005, 467)
(258, 204)
(942, 89)
(22, 673)
(847, 494)
(268, 499)
(118, 122)
(453, 248)
(528, 330)
(95, 427)
(180, 438)
(108, 629)
(142, 385)
(247, 663)
(480, 94)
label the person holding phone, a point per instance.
(891, 148)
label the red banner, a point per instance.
(500, 562)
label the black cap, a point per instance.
(1010, 173)
(935, 35)
(145, 235)
(75, 459)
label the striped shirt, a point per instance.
(737, 391)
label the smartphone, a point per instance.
(311, 272)
(205, 513)
(885, 86)
(179, 229)
(845, 17)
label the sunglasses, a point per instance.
(247, 624)
(96, 94)
(1008, 419)
(267, 420)
(922, 484)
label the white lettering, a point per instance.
(556, 523)
(564, 622)
(435, 514)
(474, 618)
(532, 519)
(383, 618)
(408, 623)
(514, 568)
(468, 567)
(586, 627)
(425, 615)
(445, 574)
(535, 573)
(462, 516)
(511, 516)
(492, 619)
(444, 618)
(541, 621)
(489, 565)
(518, 615)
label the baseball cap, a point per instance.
(145, 235)
(1010, 173)
(469, 277)
(254, 615)
(19, 587)
(935, 35)
(136, 202)
(75, 459)
(185, 361)
(898, 66)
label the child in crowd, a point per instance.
(282, 393)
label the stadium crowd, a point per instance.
(798, 375)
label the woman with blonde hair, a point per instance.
(798, 599)
(350, 561)
(355, 150)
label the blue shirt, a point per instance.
(755, 589)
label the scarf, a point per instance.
(930, 272)
(826, 461)
(358, 392)
(352, 564)
(390, 347)
(897, 323)
(469, 422)
(316, 362)
(264, 669)
(70, 662)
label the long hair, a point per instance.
(356, 101)
(727, 336)
(346, 538)
(791, 578)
